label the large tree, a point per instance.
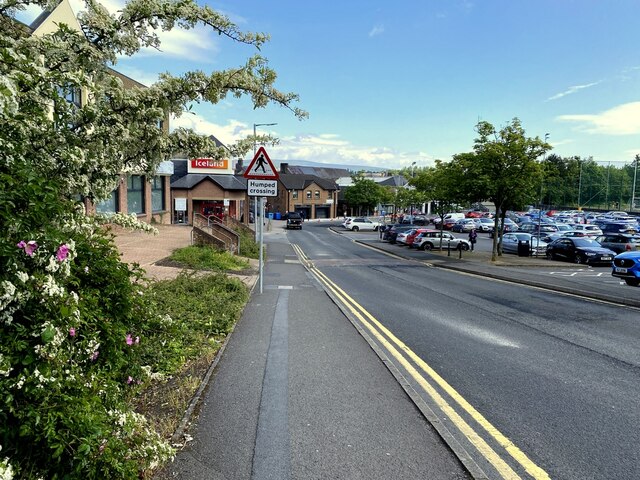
(503, 168)
(365, 194)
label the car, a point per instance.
(619, 242)
(511, 241)
(294, 220)
(464, 225)
(448, 223)
(361, 223)
(484, 224)
(590, 230)
(391, 234)
(582, 250)
(627, 266)
(509, 226)
(412, 235)
(432, 240)
(534, 227)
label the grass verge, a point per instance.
(208, 258)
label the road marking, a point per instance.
(479, 443)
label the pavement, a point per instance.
(280, 402)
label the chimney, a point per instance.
(284, 167)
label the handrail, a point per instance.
(230, 237)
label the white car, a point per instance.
(360, 223)
(589, 230)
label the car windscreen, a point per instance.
(294, 216)
(585, 242)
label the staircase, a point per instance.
(211, 231)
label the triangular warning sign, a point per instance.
(261, 167)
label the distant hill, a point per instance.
(307, 163)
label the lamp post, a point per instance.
(255, 203)
(546, 137)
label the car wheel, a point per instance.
(577, 259)
(550, 256)
(427, 246)
(633, 282)
(355, 229)
(465, 247)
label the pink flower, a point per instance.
(21, 244)
(63, 252)
(94, 356)
(30, 247)
(129, 380)
(129, 339)
(72, 332)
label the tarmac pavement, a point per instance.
(299, 394)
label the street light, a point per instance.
(254, 132)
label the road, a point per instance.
(529, 383)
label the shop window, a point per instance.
(109, 205)
(135, 194)
(316, 195)
(157, 194)
(308, 194)
(294, 194)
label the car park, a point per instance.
(294, 220)
(582, 250)
(627, 266)
(509, 226)
(619, 242)
(590, 230)
(434, 239)
(511, 243)
(361, 223)
(464, 225)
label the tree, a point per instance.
(364, 193)
(503, 168)
(69, 308)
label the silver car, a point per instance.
(510, 242)
(431, 240)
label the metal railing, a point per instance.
(212, 226)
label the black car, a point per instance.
(391, 234)
(579, 250)
(294, 220)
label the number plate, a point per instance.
(621, 270)
(606, 258)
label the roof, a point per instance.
(226, 182)
(300, 182)
(324, 172)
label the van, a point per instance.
(454, 216)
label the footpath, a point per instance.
(281, 404)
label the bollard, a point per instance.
(448, 248)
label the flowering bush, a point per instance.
(71, 317)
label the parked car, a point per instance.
(294, 220)
(510, 242)
(412, 235)
(391, 234)
(484, 224)
(619, 242)
(464, 225)
(509, 226)
(579, 250)
(627, 266)
(590, 230)
(532, 227)
(431, 240)
(361, 223)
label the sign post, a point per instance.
(262, 181)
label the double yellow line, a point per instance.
(402, 354)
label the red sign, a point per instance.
(261, 167)
(210, 163)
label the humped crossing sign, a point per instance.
(261, 167)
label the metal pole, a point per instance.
(255, 199)
(580, 186)
(261, 241)
(633, 189)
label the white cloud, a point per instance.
(571, 90)
(621, 120)
(376, 30)
(323, 148)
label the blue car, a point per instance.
(627, 266)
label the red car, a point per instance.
(448, 223)
(474, 214)
(414, 233)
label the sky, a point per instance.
(387, 84)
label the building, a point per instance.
(147, 197)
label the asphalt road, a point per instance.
(558, 376)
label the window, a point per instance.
(135, 194)
(157, 194)
(308, 192)
(71, 95)
(109, 205)
(294, 194)
(316, 195)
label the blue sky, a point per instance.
(390, 83)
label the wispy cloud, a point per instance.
(323, 148)
(376, 30)
(621, 120)
(571, 90)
